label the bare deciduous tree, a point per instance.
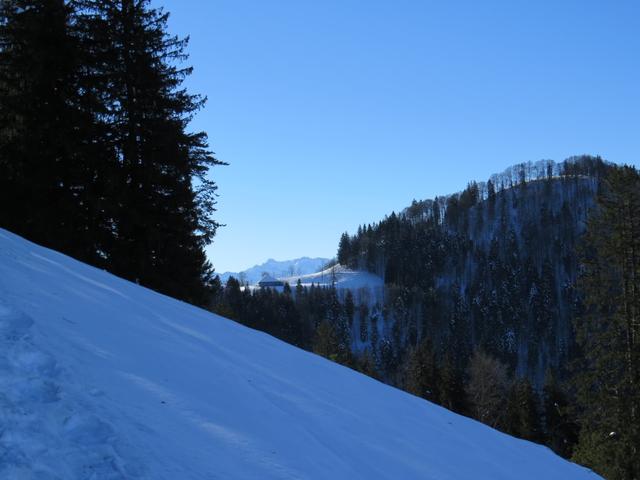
(487, 388)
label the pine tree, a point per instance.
(608, 332)
(366, 365)
(349, 307)
(522, 412)
(52, 175)
(96, 159)
(344, 250)
(326, 342)
(451, 388)
(163, 216)
(337, 318)
(560, 429)
(422, 378)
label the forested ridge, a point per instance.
(493, 267)
(96, 156)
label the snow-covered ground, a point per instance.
(102, 379)
(366, 287)
(341, 276)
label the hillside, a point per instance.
(493, 266)
(103, 379)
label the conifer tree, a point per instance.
(344, 249)
(163, 215)
(608, 332)
(326, 341)
(96, 158)
(560, 429)
(522, 412)
(366, 365)
(422, 378)
(451, 388)
(51, 173)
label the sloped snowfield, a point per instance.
(339, 276)
(103, 379)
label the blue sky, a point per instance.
(333, 113)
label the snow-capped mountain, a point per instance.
(278, 269)
(103, 379)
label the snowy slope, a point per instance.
(103, 379)
(341, 276)
(278, 268)
(367, 288)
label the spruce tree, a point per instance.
(522, 412)
(163, 209)
(451, 388)
(52, 176)
(560, 428)
(422, 376)
(96, 158)
(608, 332)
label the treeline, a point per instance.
(488, 391)
(314, 318)
(96, 159)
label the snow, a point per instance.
(367, 288)
(101, 379)
(277, 268)
(339, 275)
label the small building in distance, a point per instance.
(269, 282)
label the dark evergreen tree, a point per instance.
(366, 365)
(96, 159)
(349, 307)
(522, 412)
(344, 250)
(608, 331)
(52, 174)
(326, 342)
(422, 377)
(451, 387)
(163, 219)
(560, 428)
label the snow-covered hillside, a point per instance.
(102, 379)
(339, 276)
(367, 288)
(277, 268)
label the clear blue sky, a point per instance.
(333, 113)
